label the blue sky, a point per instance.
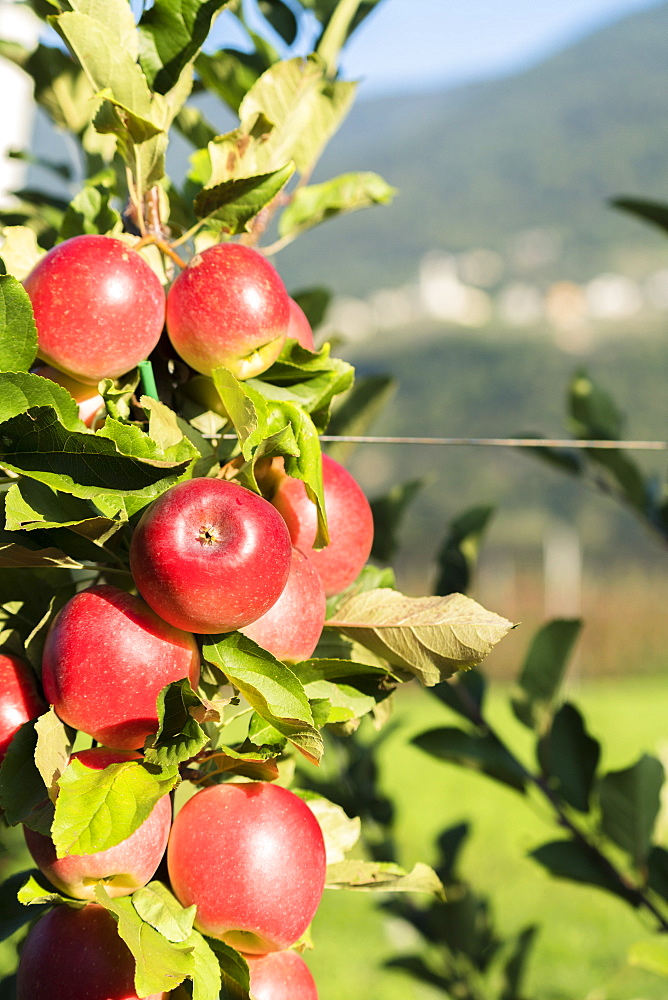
(413, 44)
(409, 45)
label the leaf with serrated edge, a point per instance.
(235, 202)
(274, 691)
(18, 334)
(430, 637)
(52, 751)
(32, 893)
(170, 34)
(98, 809)
(158, 907)
(160, 964)
(384, 877)
(348, 193)
(179, 735)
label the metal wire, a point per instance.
(485, 442)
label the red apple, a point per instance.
(251, 856)
(299, 328)
(228, 307)
(281, 975)
(210, 556)
(349, 520)
(122, 868)
(291, 628)
(77, 955)
(106, 658)
(20, 700)
(99, 308)
(86, 395)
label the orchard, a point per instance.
(188, 603)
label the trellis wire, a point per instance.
(604, 444)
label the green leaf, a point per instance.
(543, 671)
(384, 877)
(13, 911)
(20, 251)
(458, 553)
(179, 735)
(31, 505)
(160, 964)
(159, 908)
(281, 18)
(52, 750)
(355, 413)
(97, 809)
(33, 893)
(653, 212)
(651, 955)
(164, 428)
(578, 862)
(303, 106)
(91, 211)
(171, 33)
(278, 428)
(340, 832)
(592, 411)
(464, 694)
(657, 870)
(18, 334)
(23, 794)
(569, 757)
(15, 556)
(235, 202)
(269, 686)
(630, 801)
(388, 512)
(479, 752)
(20, 391)
(428, 637)
(370, 578)
(256, 764)
(234, 972)
(348, 193)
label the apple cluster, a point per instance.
(207, 557)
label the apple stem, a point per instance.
(151, 240)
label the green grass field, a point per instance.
(585, 933)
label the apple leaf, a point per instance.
(91, 211)
(98, 809)
(23, 794)
(20, 391)
(340, 832)
(179, 735)
(429, 637)
(235, 202)
(15, 556)
(13, 912)
(165, 430)
(310, 380)
(276, 427)
(32, 893)
(170, 35)
(52, 751)
(158, 907)
(18, 334)
(269, 686)
(348, 193)
(31, 505)
(160, 964)
(20, 251)
(384, 877)
(257, 764)
(234, 971)
(304, 108)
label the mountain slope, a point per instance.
(475, 165)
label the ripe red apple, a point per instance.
(122, 868)
(281, 975)
(299, 327)
(99, 308)
(20, 701)
(228, 307)
(77, 955)
(290, 629)
(210, 556)
(251, 856)
(349, 520)
(106, 658)
(86, 395)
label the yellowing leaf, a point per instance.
(430, 637)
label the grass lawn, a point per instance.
(584, 933)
